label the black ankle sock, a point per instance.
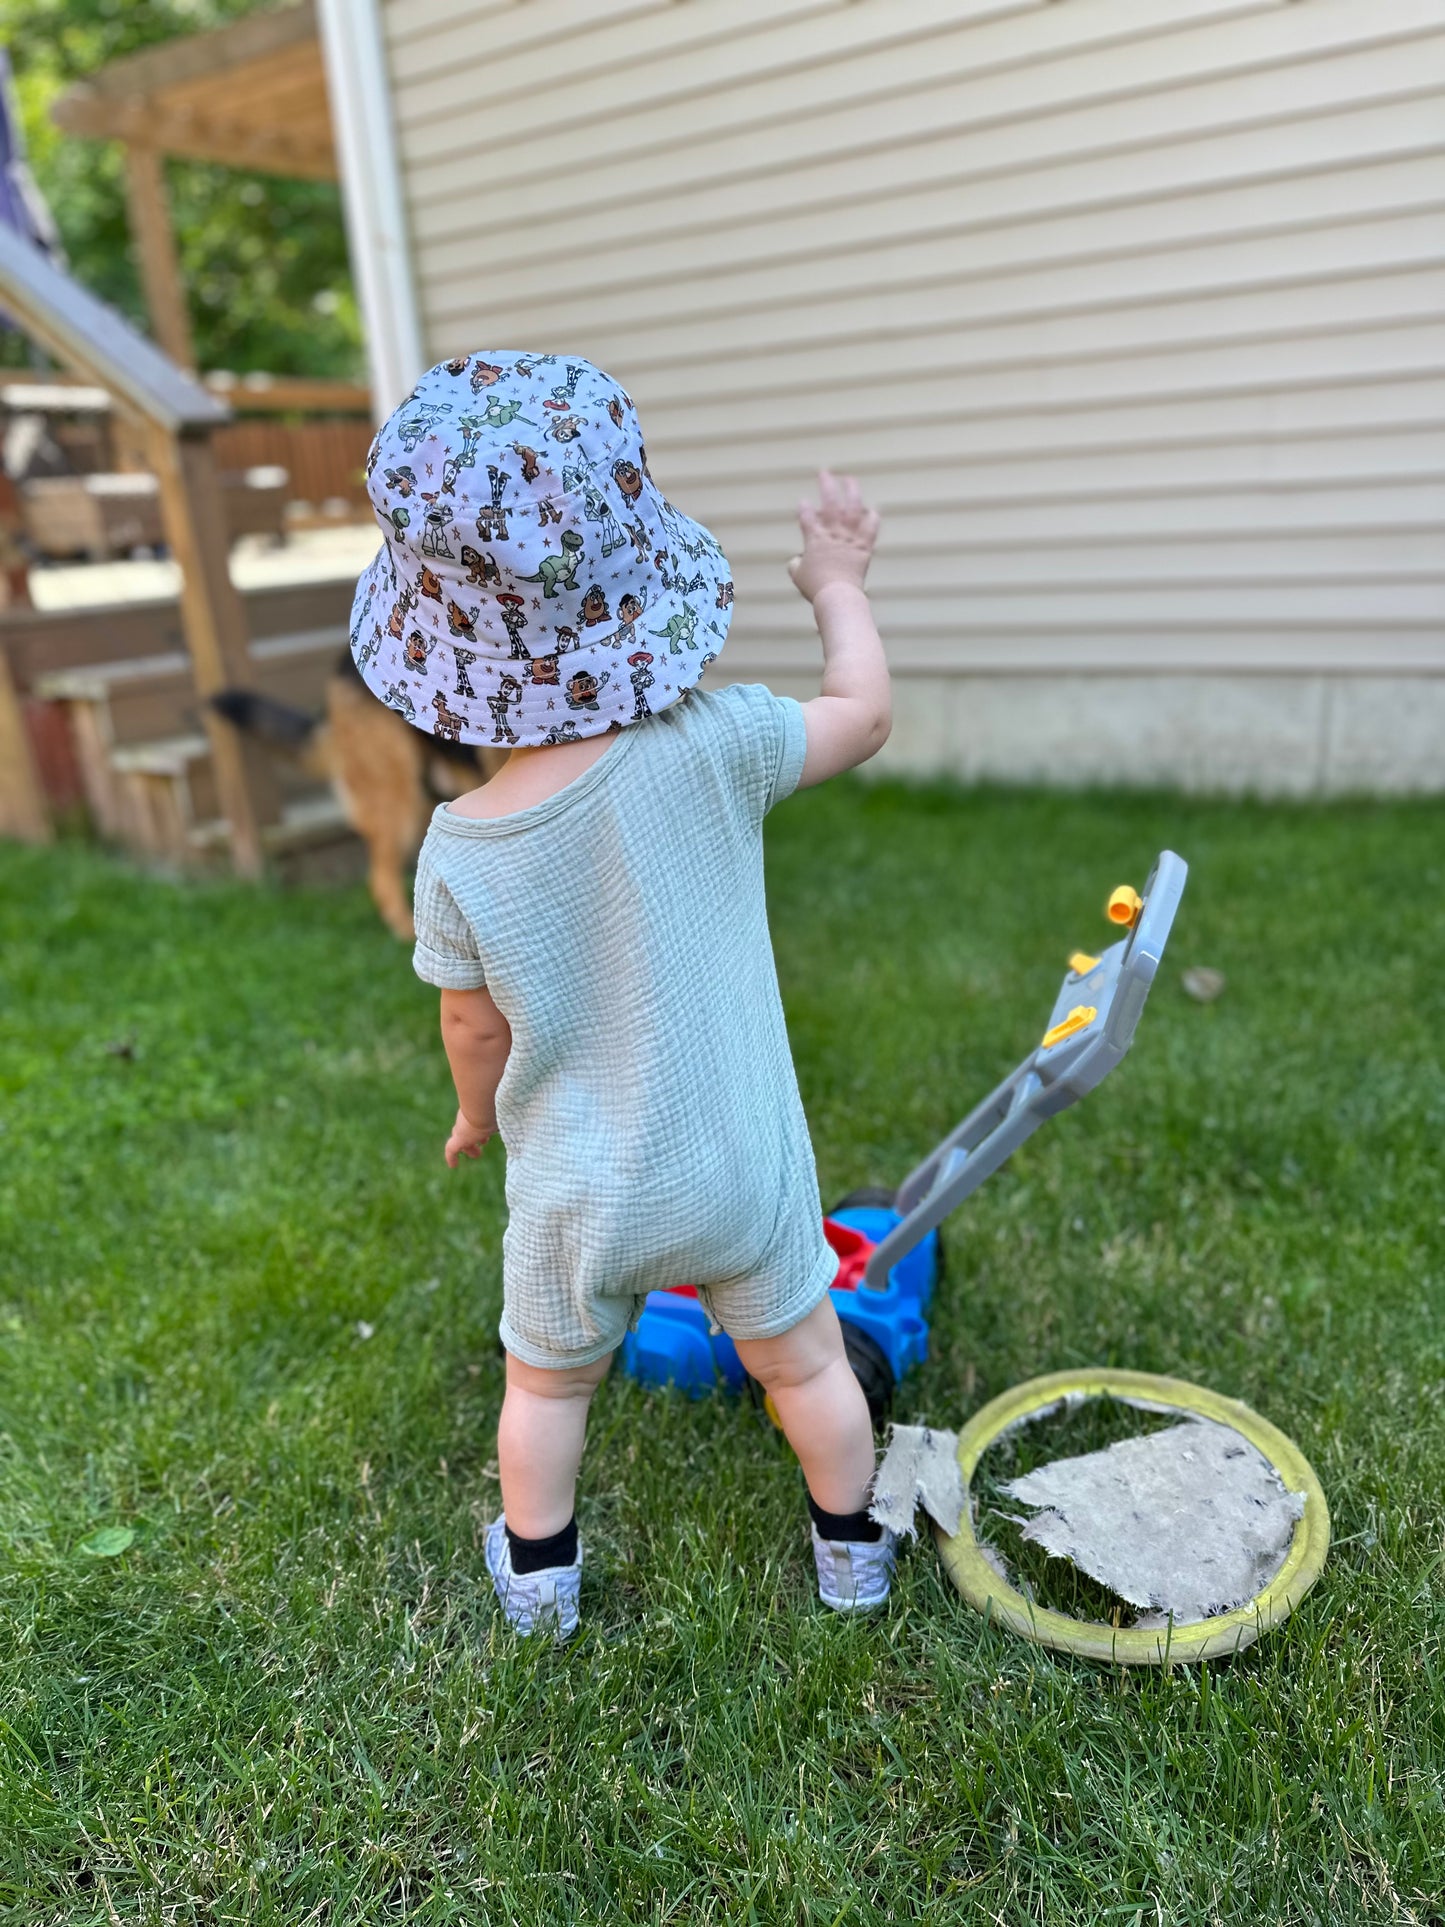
(535, 1555)
(853, 1527)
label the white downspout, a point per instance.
(355, 59)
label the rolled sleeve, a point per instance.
(446, 951)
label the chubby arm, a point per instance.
(850, 720)
(478, 1039)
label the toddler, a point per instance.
(595, 921)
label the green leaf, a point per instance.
(108, 1542)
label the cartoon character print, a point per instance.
(561, 733)
(457, 365)
(725, 594)
(567, 639)
(430, 585)
(481, 569)
(402, 479)
(492, 522)
(543, 672)
(420, 423)
(566, 428)
(373, 456)
(464, 659)
(434, 535)
(514, 616)
(396, 696)
(561, 396)
(465, 456)
(584, 688)
(637, 533)
(530, 460)
(547, 511)
(629, 609)
(484, 375)
(369, 648)
(501, 414)
(594, 607)
(508, 694)
(680, 628)
(614, 409)
(448, 725)
(460, 623)
(594, 507)
(642, 680)
(627, 478)
(400, 520)
(555, 569)
(418, 648)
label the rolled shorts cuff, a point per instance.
(629, 1310)
(791, 1312)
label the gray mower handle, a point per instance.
(1089, 1031)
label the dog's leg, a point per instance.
(377, 769)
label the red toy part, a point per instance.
(853, 1251)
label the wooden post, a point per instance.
(22, 801)
(155, 241)
(215, 624)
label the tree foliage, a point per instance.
(263, 259)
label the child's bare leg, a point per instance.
(821, 1405)
(539, 1443)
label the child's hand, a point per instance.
(467, 1139)
(838, 537)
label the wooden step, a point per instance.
(157, 792)
(306, 822)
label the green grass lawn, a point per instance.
(248, 1315)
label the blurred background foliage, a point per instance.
(264, 259)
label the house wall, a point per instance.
(1126, 310)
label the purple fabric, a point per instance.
(22, 206)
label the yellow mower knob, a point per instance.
(1124, 906)
(1079, 1018)
(1081, 963)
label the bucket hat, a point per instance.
(534, 585)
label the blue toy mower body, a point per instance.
(888, 1243)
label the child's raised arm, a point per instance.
(850, 720)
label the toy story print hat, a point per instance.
(534, 584)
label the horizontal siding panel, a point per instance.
(1124, 523)
(1214, 135)
(1129, 314)
(1138, 607)
(423, 35)
(1102, 144)
(892, 391)
(906, 564)
(1263, 263)
(765, 128)
(1177, 650)
(691, 49)
(913, 444)
(1326, 202)
(1046, 478)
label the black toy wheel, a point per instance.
(876, 1197)
(869, 1197)
(870, 1368)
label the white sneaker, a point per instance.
(854, 1575)
(533, 1601)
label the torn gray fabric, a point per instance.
(920, 1467)
(1186, 1523)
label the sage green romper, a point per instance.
(649, 1107)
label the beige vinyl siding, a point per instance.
(1128, 311)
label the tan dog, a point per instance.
(387, 775)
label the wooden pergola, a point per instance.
(174, 416)
(250, 95)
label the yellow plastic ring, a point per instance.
(1230, 1632)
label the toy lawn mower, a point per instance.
(888, 1245)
